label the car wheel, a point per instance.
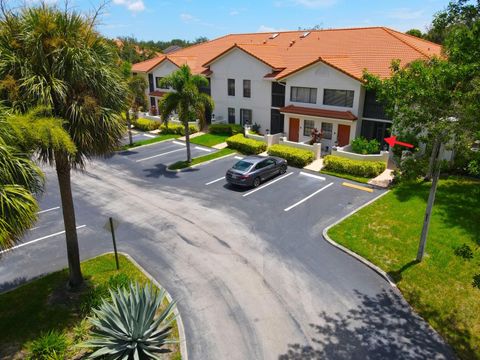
(283, 169)
(256, 182)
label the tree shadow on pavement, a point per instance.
(381, 327)
(160, 170)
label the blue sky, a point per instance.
(188, 19)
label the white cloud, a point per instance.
(264, 28)
(234, 12)
(132, 5)
(187, 18)
(311, 4)
(405, 14)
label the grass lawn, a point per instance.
(158, 138)
(359, 179)
(209, 139)
(184, 164)
(439, 288)
(44, 304)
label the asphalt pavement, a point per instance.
(253, 277)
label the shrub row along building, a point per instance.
(291, 82)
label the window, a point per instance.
(308, 126)
(261, 165)
(327, 130)
(372, 108)
(338, 97)
(303, 94)
(246, 88)
(270, 162)
(231, 115)
(245, 116)
(157, 83)
(231, 87)
(152, 101)
(278, 94)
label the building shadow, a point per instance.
(381, 327)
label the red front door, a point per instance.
(343, 137)
(293, 127)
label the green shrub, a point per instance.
(294, 156)
(360, 145)
(92, 298)
(246, 146)
(464, 251)
(177, 129)
(229, 129)
(368, 169)
(118, 280)
(52, 344)
(133, 325)
(476, 281)
(146, 124)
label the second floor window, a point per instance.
(303, 94)
(231, 87)
(157, 83)
(335, 97)
(246, 88)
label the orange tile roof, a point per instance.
(334, 114)
(348, 50)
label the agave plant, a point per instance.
(129, 327)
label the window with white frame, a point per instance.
(157, 83)
(336, 97)
(308, 126)
(231, 87)
(303, 94)
(247, 91)
(327, 129)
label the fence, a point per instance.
(346, 153)
(172, 119)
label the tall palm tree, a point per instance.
(55, 57)
(20, 178)
(186, 99)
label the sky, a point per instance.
(190, 19)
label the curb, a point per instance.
(202, 163)
(181, 329)
(141, 146)
(350, 252)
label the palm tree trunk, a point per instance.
(64, 183)
(187, 141)
(129, 124)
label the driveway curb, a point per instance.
(181, 329)
(202, 163)
(350, 252)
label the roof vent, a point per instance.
(273, 36)
(291, 43)
(305, 34)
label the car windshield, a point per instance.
(242, 165)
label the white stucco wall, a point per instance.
(321, 76)
(239, 66)
(162, 70)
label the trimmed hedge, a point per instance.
(177, 129)
(146, 124)
(229, 129)
(246, 146)
(368, 169)
(295, 157)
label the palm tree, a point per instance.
(186, 99)
(55, 57)
(136, 98)
(20, 178)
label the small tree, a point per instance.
(424, 97)
(186, 99)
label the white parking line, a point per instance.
(154, 156)
(312, 176)
(178, 143)
(214, 181)
(199, 148)
(308, 197)
(238, 157)
(39, 239)
(148, 135)
(267, 184)
(47, 210)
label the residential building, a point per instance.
(291, 82)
